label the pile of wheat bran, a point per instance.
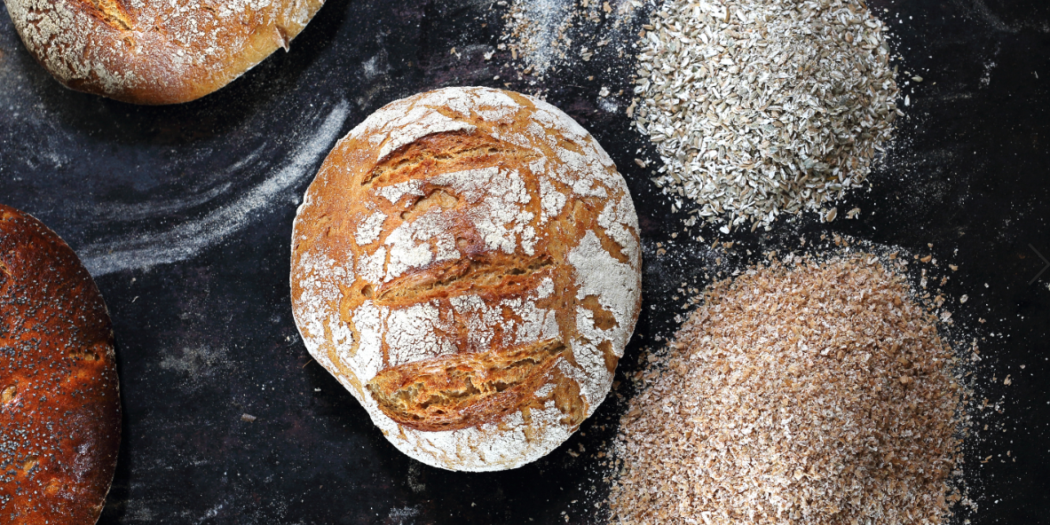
(819, 394)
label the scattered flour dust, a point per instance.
(539, 28)
(544, 35)
(812, 392)
(185, 240)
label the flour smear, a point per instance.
(186, 240)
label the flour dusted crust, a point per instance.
(467, 264)
(59, 398)
(155, 51)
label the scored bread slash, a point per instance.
(467, 264)
(59, 393)
(463, 390)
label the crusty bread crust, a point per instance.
(467, 264)
(155, 51)
(466, 390)
(59, 399)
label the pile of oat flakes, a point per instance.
(759, 108)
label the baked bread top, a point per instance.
(59, 400)
(153, 51)
(467, 264)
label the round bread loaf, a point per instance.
(467, 264)
(59, 403)
(154, 51)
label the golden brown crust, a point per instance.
(467, 264)
(153, 51)
(464, 390)
(59, 400)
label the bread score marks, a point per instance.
(585, 167)
(405, 121)
(517, 439)
(417, 124)
(468, 244)
(464, 276)
(464, 390)
(400, 334)
(495, 212)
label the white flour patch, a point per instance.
(537, 323)
(612, 282)
(592, 376)
(479, 319)
(415, 470)
(411, 334)
(619, 221)
(212, 512)
(399, 513)
(186, 240)
(410, 244)
(369, 229)
(375, 66)
(368, 318)
(371, 266)
(196, 362)
(986, 77)
(498, 197)
(146, 211)
(195, 366)
(394, 192)
(316, 291)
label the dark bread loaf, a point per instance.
(59, 401)
(467, 264)
(155, 51)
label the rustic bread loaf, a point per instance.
(154, 51)
(59, 403)
(467, 264)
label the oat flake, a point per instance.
(763, 107)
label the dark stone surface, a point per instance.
(184, 216)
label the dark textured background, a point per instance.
(183, 214)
